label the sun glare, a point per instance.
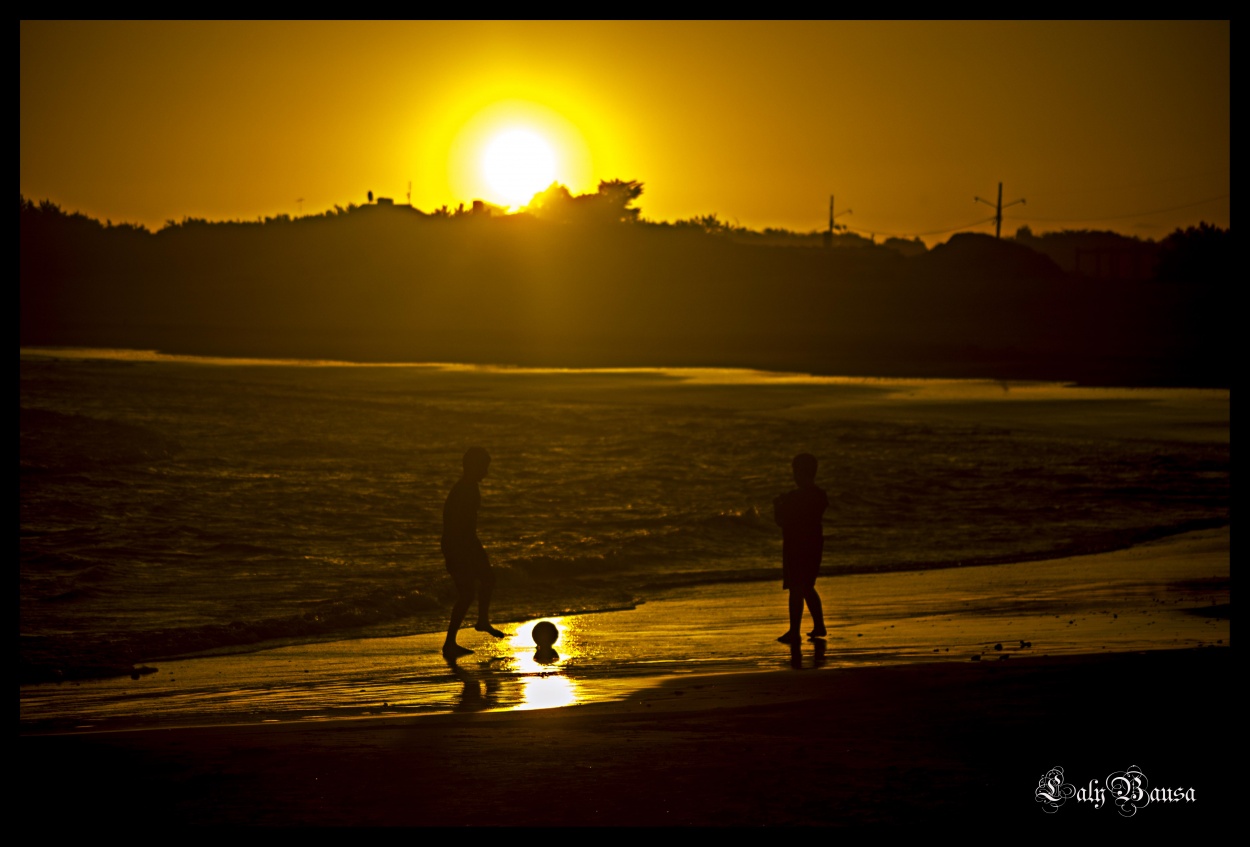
(517, 164)
(508, 151)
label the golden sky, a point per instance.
(1102, 125)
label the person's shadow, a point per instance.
(819, 646)
(480, 689)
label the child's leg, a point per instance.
(463, 598)
(796, 618)
(818, 612)
(486, 585)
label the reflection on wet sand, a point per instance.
(527, 658)
(1166, 595)
(481, 686)
(547, 691)
(540, 667)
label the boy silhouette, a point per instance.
(466, 559)
(799, 513)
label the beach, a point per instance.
(900, 732)
(958, 744)
(232, 598)
(174, 506)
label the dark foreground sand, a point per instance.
(962, 745)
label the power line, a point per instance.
(1030, 218)
(917, 234)
(1100, 189)
(1133, 215)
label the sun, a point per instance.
(509, 150)
(517, 164)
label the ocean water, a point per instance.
(173, 506)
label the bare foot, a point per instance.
(818, 632)
(454, 650)
(789, 638)
(490, 630)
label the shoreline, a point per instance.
(1122, 541)
(815, 369)
(1169, 594)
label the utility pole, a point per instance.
(829, 233)
(998, 210)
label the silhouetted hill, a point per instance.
(993, 257)
(395, 286)
(1093, 253)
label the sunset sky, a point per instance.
(1102, 125)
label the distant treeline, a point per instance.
(581, 281)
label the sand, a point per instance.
(890, 733)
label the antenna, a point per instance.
(300, 201)
(409, 192)
(998, 210)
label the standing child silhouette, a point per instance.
(466, 559)
(799, 513)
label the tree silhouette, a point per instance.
(616, 195)
(1199, 254)
(610, 204)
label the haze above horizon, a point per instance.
(1111, 125)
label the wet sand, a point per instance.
(878, 729)
(959, 744)
(1129, 600)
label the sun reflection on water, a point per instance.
(547, 692)
(543, 683)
